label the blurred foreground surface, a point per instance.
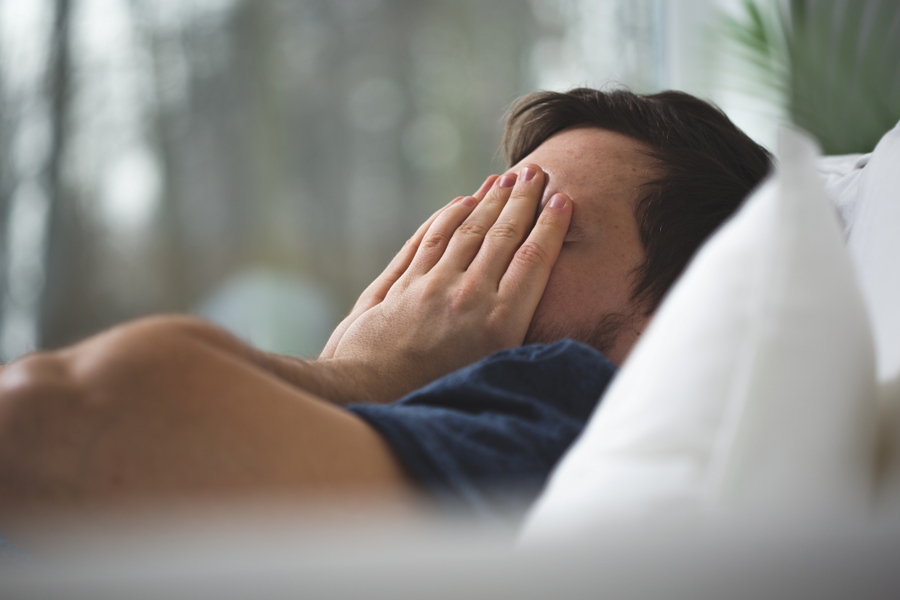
(288, 556)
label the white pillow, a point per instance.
(840, 176)
(874, 246)
(752, 388)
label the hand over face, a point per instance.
(466, 285)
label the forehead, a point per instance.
(594, 167)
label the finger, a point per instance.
(438, 236)
(512, 226)
(485, 187)
(336, 335)
(526, 278)
(469, 236)
(376, 291)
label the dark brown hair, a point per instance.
(706, 164)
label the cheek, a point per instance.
(582, 288)
(559, 283)
(566, 298)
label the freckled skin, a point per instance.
(602, 172)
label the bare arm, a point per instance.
(335, 380)
(470, 289)
(169, 407)
(465, 285)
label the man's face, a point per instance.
(588, 297)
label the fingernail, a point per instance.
(557, 201)
(487, 184)
(527, 174)
(468, 201)
(507, 181)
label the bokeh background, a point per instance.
(257, 162)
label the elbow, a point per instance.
(42, 413)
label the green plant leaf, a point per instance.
(837, 62)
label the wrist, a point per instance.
(347, 380)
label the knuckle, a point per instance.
(497, 195)
(505, 231)
(430, 287)
(532, 254)
(472, 229)
(548, 218)
(464, 297)
(434, 240)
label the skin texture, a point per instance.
(469, 290)
(588, 297)
(169, 408)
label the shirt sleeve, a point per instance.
(485, 438)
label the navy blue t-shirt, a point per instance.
(491, 432)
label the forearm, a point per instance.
(341, 381)
(466, 285)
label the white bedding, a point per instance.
(735, 553)
(751, 392)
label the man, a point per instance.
(625, 189)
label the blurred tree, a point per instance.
(7, 179)
(195, 142)
(308, 136)
(61, 265)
